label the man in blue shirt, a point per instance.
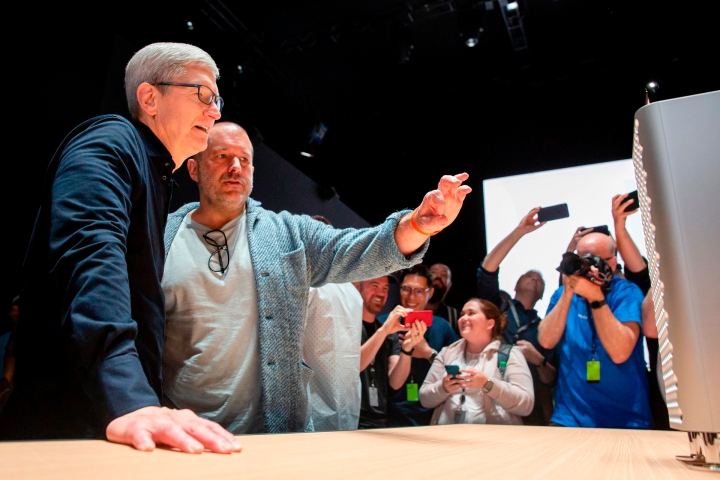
(602, 380)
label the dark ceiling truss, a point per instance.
(251, 47)
(514, 24)
(400, 15)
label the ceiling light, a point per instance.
(512, 6)
(316, 137)
(189, 25)
(471, 42)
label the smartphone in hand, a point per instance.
(601, 229)
(635, 204)
(453, 370)
(424, 315)
(553, 212)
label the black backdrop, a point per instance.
(574, 107)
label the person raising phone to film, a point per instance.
(493, 385)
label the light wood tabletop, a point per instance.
(459, 451)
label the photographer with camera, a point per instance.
(595, 319)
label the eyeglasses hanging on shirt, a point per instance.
(219, 259)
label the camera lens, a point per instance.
(571, 264)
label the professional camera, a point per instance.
(573, 264)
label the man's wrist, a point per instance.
(385, 327)
(596, 304)
(407, 352)
(417, 228)
(432, 356)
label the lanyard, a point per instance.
(591, 320)
(464, 361)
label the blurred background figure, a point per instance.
(331, 347)
(7, 353)
(442, 281)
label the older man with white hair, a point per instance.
(90, 337)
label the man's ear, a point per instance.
(147, 98)
(192, 167)
(430, 292)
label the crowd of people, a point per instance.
(224, 318)
(582, 365)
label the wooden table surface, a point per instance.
(459, 451)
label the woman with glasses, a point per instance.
(493, 382)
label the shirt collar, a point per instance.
(154, 145)
(158, 153)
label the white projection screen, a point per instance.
(588, 191)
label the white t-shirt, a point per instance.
(211, 360)
(331, 347)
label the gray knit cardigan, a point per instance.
(289, 254)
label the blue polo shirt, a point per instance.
(620, 398)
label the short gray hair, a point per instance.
(161, 62)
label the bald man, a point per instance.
(602, 380)
(236, 285)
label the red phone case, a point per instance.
(424, 315)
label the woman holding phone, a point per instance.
(489, 388)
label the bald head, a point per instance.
(223, 130)
(600, 245)
(224, 174)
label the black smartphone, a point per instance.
(601, 229)
(452, 370)
(635, 204)
(554, 212)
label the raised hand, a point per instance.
(579, 233)
(619, 214)
(392, 324)
(529, 222)
(415, 336)
(530, 353)
(440, 207)
(587, 290)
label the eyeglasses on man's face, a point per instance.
(220, 258)
(413, 291)
(204, 93)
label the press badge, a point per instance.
(373, 393)
(412, 392)
(593, 371)
(459, 416)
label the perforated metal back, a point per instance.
(676, 154)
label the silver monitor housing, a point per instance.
(676, 155)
